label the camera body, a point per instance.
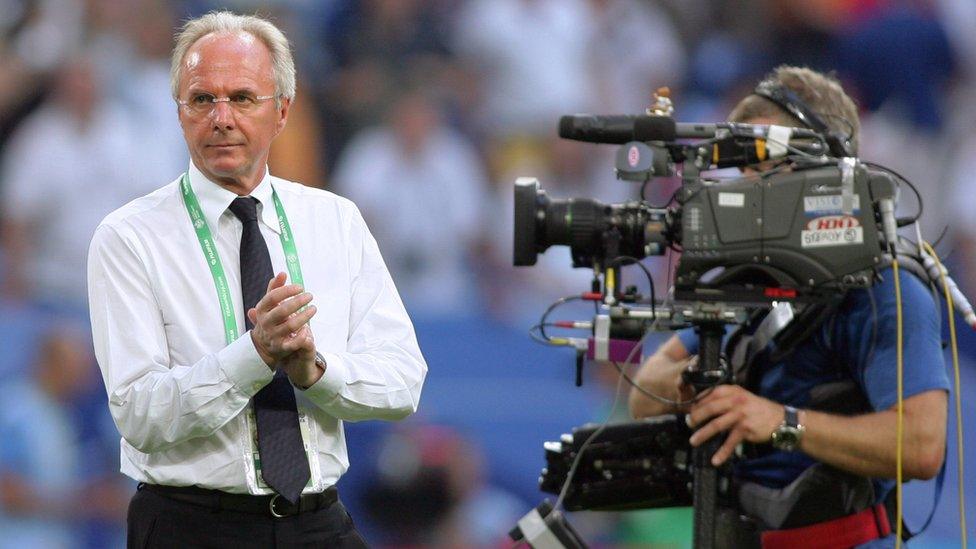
(797, 234)
(773, 236)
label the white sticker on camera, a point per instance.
(732, 200)
(828, 204)
(778, 140)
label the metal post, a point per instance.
(705, 495)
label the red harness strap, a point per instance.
(849, 531)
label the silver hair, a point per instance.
(282, 63)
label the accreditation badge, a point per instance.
(252, 458)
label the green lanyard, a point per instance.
(209, 248)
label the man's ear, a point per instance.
(283, 111)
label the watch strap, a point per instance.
(791, 417)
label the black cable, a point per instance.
(542, 321)
(544, 339)
(850, 125)
(654, 396)
(670, 271)
(904, 179)
(935, 245)
(666, 204)
(781, 167)
(582, 449)
(642, 390)
(650, 279)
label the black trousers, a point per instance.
(156, 521)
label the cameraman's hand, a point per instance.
(661, 375)
(731, 408)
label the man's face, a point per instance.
(228, 144)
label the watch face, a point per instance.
(786, 438)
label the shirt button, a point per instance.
(257, 386)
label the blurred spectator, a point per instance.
(419, 186)
(431, 492)
(297, 153)
(43, 498)
(68, 165)
(373, 45)
(131, 51)
(962, 182)
(35, 38)
(531, 57)
(959, 18)
(41, 33)
(886, 136)
(634, 50)
(899, 58)
(396, 32)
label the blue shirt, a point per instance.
(858, 343)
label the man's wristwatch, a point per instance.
(320, 364)
(787, 436)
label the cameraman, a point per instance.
(826, 475)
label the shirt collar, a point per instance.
(215, 199)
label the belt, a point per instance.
(852, 530)
(271, 505)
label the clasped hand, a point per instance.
(281, 333)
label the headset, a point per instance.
(789, 101)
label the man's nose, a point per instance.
(223, 115)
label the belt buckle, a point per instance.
(271, 507)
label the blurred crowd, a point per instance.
(423, 112)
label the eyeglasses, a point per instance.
(204, 103)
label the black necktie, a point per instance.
(284, 466)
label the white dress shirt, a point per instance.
(180, 395)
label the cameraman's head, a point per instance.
(803, 98)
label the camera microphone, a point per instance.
(617, 129)
(655, 128)
(611, 129)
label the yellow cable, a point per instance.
(958, 391)
(901, 409)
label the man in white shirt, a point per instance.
(50, 206)
(212, 421)
(418, 180)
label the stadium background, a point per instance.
(424, 112)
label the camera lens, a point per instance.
(595, 232)
(526, 191)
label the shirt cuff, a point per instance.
(243, 366)
(332, 381)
